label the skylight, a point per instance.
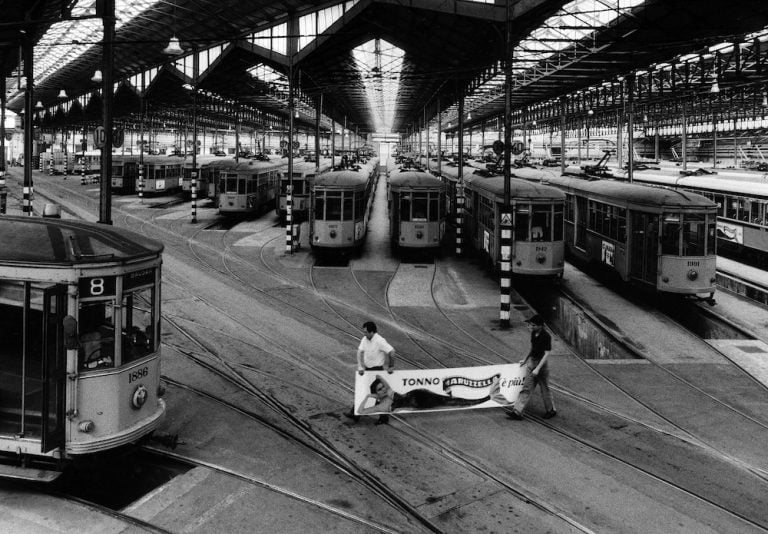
(66, 41)
(380, 64)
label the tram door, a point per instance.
(54, 368)
(644, 247)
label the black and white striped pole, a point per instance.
(193, 176)
(460, 183)
(289, 219)
(505, 252)
(26, 206)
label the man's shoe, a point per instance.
(550, 414)
(352, 416)
(514, 415)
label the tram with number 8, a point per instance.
(79, 342)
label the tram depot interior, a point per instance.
(672, 86)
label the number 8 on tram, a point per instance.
(79, 342)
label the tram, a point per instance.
(416, 210)
(162, 174)
(248, 186)
(536, 210)
(656, 238)
(202, 178)
(80, 342)
(304, 173)
(88, 162)
(209, 175)
(341, 205)
(742, 208)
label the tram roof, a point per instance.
(342, 178)
(250, 165)
(758, 187)
(41, 241)
(416, 179)
(518, 188)
(634, 193)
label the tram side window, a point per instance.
(732, 208)
(694, 234)
(485, 213)
(434, 206)
(711, 235)
(138, 335)
(720, 201)
(569, 208)
(348, 204)
(670, 234)
(117, 171)
(558, 225)
(97, 334)
(757, 212)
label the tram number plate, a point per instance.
(693, 264)
(96, 286)
(540, 248)
(138, 374)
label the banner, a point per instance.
(430, 390)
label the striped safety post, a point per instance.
(26, 206)
(459, 218)
(193, 176)
(506, 267)
(50, 165)
(82, 171)
(289, 220)
(141, 182)
(3, 193)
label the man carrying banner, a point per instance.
(537, 372)
(373, 354)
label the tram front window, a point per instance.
(541, 228)
(405, 208)
(333, 206)
(694, 234)
(420, 205)
(670, 235)
(522, 217)
(138, 337)
(97, 335)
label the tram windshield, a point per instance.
(96, 324)
(541, 223)
(686, 234)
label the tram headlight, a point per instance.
(139, 397)
(692, 275)
(332, 234)
(541, 257)
(419, 235)
(86, 426)
(665, 279)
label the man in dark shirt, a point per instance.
(537, 371)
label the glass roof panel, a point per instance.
(66, 41)
(380, 64)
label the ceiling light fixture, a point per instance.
(97, 78)
(174, 47)
(62, 94)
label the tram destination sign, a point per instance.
(143, 277)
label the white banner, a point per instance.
(430, 390)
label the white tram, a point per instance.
(79, 342)
(416, 209)
(248, 186)
(304, 173)
(341, 205)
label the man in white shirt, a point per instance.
(373, 354)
